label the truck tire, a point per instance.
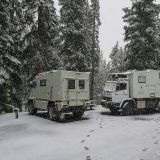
(114, 110)
(128, 108)
(78, 115)
(31, 109)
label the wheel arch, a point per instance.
(127, 100)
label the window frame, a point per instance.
(120, 87)
(42, 82)
(84, 86)
(140, 81)
(70, 87)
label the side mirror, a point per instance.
(32, 84)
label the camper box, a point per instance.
(59, 92)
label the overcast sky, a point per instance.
(111, 29)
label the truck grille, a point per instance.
(107, 98)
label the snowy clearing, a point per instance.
(98, 136)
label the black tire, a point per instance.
(114, 110)
(128, 108)
(31, 109)
(78, 115)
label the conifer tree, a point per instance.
(41, 40)
(118, 58)
(94, 24)
(9, 64)
(142, 34)
(74, 49)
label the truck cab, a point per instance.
(132, 91)
(115, 92)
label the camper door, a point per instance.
(72, 91)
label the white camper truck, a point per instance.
(59, 92)
(133, 90)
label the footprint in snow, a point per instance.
(88, 158)
(86, 148)
(88, 135)
(100, 127)
(153, 137)
(145, 149)
(156, 142)
(92, 131)
(83, 141)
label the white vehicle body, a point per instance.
(142, 87)
(65, 90)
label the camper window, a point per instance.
(121, 86)
(141, 79)
(43, 82)
(71, 84)
(81, 84)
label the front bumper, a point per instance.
(105, 104)
(108, 104)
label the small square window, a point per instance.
(81, 84)
(43, 82)
(141, 79)
(71, 84)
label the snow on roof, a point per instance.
(131, 71)
(53, 71)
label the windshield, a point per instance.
(121, 86)
(110, 86)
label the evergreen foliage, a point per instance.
(41, 37)
(9, 64)
(142, 34)
(118, 58)
(101, 77)
(94, 24)
(74, 49)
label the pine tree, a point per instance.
(94, 24)
(118, 58)
(101, 77)
(141, 34)
(74, 49)
(41, 40)
(9, 64)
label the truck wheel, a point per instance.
(128, 108)
(78, 115)
(51, 113)
(114, 110)
(31, 109)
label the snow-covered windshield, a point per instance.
(110, 86)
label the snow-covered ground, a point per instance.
(98, 136)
